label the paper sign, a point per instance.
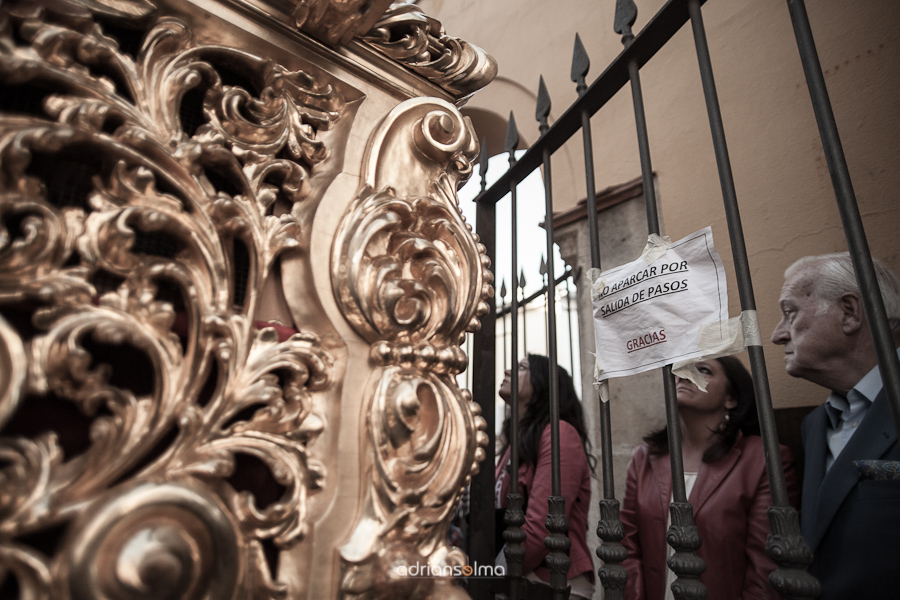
(649, 312)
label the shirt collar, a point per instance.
(860, 396)
(871, 385)
(834, 408)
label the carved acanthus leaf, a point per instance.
(417, 41)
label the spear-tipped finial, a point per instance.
(626, 13)
(512, 134)
(522, 279)
(581, 64)
(483, 164)
(543, 267)
(503, 289)
(543, 106)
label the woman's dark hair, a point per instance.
(743, 417)
(537, 411)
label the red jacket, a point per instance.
(729, 498)
(575, 479)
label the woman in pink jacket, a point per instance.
(726, 483)
(535, 471)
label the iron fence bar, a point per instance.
(546, 281)
(534, 296)
(659, 30)
(501, 314)
(514, 517)
(569, 318)
(610, 530)
(640, 119)
(879, 327)
(524, 314)
(786, 546)
(682, 535)
(557, 542)
(481, 507)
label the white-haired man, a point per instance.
(851, 486)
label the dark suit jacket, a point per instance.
(852, 522)
(729, 498)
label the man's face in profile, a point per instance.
(810, 328)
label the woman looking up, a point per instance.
(535, 474)
(725, 481)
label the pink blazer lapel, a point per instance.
(711, 476)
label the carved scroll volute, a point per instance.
(411, 278)
(430, 279)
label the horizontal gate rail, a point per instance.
(534, 296)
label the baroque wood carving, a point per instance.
(161, 434)
(411, 279)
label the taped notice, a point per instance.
(647, 315)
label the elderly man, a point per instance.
(851, 490)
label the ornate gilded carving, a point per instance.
(413, 39)
(338, 21)
(164, 538)
(157, 439)
(405, 34)
(146, 194)
(411, 279)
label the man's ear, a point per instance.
(852, 318)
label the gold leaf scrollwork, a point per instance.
(408, 267)
(337, 21)
(137, 230)
(412, 38)
(13, 368)
(411, 279)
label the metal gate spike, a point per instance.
(543, 106)
(581, 64)
(512, 134)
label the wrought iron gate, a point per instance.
(785, 545)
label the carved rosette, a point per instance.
(411, 279)
(146, 192)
